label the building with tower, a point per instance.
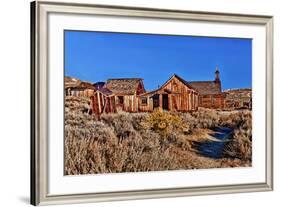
(210, 92)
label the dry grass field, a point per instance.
(135, 142)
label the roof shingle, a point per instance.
(123, 85)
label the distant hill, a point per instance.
(76, 83)
(71, 82)
(238, 98)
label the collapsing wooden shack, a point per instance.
(103, 101)
(114, 95)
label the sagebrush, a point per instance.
(135, 142)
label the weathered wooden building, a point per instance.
(75, 87)
(210, 93)
(129, 94)
(126, 92)
(176, 94)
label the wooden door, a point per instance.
(165, 102)
(155, 101)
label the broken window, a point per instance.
(144, 101)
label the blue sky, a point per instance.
(98, 56)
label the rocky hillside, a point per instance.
(238, 98)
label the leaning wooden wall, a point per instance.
(101, 103)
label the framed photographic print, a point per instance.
(134, 103)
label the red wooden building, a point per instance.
(210, 93)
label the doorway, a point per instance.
(155, 101)
(165, 102)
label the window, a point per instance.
(144, 101)
(120, 99)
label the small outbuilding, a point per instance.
(125, 92)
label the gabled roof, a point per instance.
(166, 90)
(182, 80)
(123, 85)
(206, 87)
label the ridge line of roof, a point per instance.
(181, 79)
(201, 81)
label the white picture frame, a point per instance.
(49, 186)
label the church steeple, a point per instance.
(217, 78)
(217, 75)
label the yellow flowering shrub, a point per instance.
(163, 122)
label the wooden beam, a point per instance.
(99, 104)
(160, 101)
